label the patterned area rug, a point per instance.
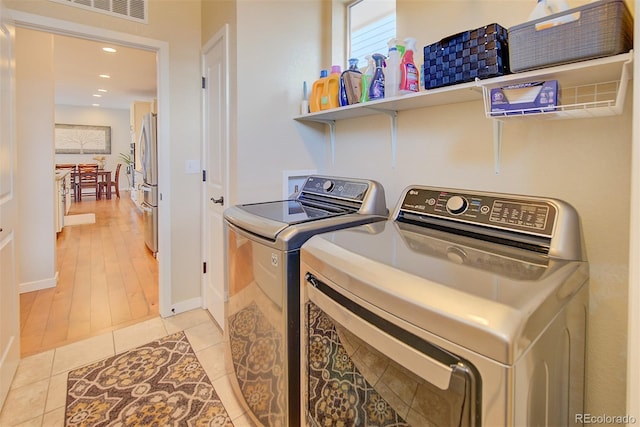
(158, 384)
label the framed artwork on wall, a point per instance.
(82, 139)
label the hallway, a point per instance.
(107, 279)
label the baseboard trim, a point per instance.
(183, 306)
(38, 284)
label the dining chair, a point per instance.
(87, 180)
(107, 187)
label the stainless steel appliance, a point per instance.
(262, 310)
(149, 161)
(466, 308)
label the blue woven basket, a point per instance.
(463, 57)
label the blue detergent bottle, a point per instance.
(376, 90)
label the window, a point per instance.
(372, 23)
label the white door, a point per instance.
(9, 299)
(215, 148)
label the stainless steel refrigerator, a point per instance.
(149, 160)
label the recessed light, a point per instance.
(105, 76)
(96, 95)
(102, 90)
(109, 49)
(95, 105)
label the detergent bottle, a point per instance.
(367, 76)
(392, 71)
(331, 89)
(376, 90)
(316, 92)
(350, 82)
(409, 74)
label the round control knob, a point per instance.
(328, 185)
(457, 205)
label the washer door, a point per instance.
(403, 381)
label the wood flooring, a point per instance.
(107, 279)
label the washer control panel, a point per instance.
(506, 212)
(335, 187)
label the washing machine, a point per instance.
(262, 334)
(465, 308)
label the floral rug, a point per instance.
(158, 384)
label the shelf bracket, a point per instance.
(332, 139)
(497, 144)
(332, 136)
(393, 116)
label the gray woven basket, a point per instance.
(603, 28)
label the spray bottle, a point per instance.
(409, 75)
(376, 91)
(392, 71)
(367, 76)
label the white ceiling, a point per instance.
(79, 62)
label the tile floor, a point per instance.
(38, 392)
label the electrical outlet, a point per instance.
(192, 166)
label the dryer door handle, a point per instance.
(419, 363)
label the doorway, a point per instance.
(161, 49)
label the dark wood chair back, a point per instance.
(87, 180)
(65, 166)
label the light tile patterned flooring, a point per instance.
(38, 392)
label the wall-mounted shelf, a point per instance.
(593, 88)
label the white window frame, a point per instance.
(383, 39)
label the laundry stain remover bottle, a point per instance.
(365, 82)
(409, 74)
(376, 90)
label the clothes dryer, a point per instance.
(466, 308)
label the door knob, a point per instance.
(219, 201)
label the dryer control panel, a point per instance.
(497, 211)
(336, 187)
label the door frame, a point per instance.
(220, 37)
(9, 293)
(72, 29)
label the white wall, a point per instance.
(270, 74)
(118, 120)
(35, 235)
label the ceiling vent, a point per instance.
(135, 10)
